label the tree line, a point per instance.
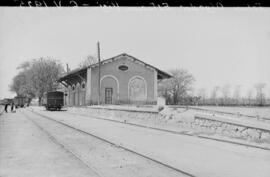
(178, 90)
(235, 99)
(36, 77)
(40, 75)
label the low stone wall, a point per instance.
(224, 126)
(232, 127)
(121, 113)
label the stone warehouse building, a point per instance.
(124, 79)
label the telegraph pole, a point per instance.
(67, 68)
(98, 73)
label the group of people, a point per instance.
(12, 107)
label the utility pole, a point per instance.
(98, 73)
(67, 68)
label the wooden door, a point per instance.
(108, 95)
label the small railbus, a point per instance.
(53, 100)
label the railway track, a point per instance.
(173, 132)
(63, 146)
(102, 139)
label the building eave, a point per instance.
(73, 73)
(160, 74)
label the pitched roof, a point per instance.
(161, 74)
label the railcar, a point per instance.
(21, 101)
(53, 100)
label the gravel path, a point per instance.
(26, 151)
(196, 156)
(106, 159)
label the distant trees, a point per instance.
(249, 96)
(260, 93)
(176, 88)
(214, 95)
(202, 96)
(36, 77)
(21, 83)
(236, 94)
(236, 98)
(89, 60)
(225, 93)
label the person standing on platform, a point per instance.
(6, 106)
(12, 107)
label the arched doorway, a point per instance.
(77, 89)
(72, 96)
(137, 89)
(109, 89)
(82, 94)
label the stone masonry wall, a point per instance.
(231, 128)
(121, 113)
(198, 123)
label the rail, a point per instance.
(170, 131)
(61, 144)
(116, 145)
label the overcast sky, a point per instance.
(218, 46)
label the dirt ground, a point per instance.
(200, 157)
(26, 151)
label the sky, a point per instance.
(218, 46)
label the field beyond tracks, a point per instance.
(263, 112)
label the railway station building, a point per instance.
(124, 79)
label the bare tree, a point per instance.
(178, 86)
(163, 90)
(214, 95)
(249, 96)
(45, 73)
(236, 94)
(89, 60)
(260, 93)
(202, 95)
(225, 92)
(21, 82)
(37, 77)
(24, 66)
